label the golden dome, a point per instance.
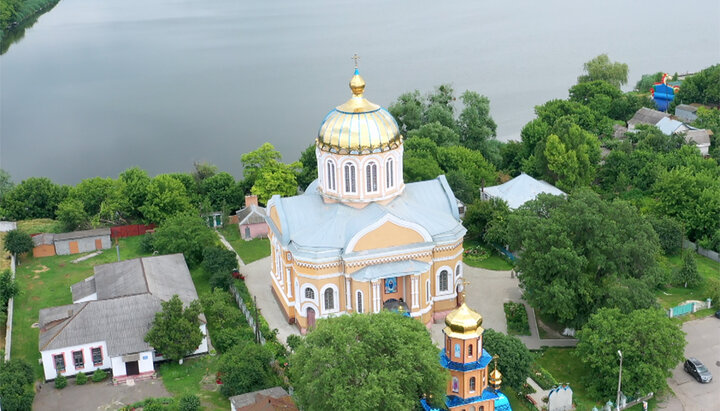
(464, 321)
(358, 126)
(495, 378)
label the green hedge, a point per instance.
(517, 319)
(542, 377)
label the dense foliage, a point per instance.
(247, 367)
(16, 385)
(367, 362)
(184, 233)
(175, 331)
(582, 253)
(601, 68)
(18, 242)
(515, 359)
(703, 87)
(651, 345)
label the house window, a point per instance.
(329, 299)
(359, 302)
(309, 293)
(331, 176)
(78, 359)
(390, 173)
(59, 362)
(97, 356)
(472, 384)
(371, 177)
(455, 384)
(427, 291)
(470, 350)
(350, 178)
(443, 280)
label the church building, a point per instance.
(359, 239)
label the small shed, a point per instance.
(82, 241)
(519, 191)
(669, 126)
(251, 220)
(701, 139)
(43, 245)
(686, 112)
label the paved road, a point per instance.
(703, 337)
(96, 396)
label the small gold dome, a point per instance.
(464, 320)
(358, 126)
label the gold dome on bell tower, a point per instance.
(463, 321)
(358, 126)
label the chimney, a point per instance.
(251, 200)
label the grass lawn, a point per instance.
(249, 251)
(673, 296)
(45, 282)
(517, 403)
(494, 262)
(40, 225)
(195, 376)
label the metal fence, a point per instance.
(702, 251)
(8, 324)
(248, 315)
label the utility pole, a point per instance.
(617, 403)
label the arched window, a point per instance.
(389, 173)
(309, 293)
(472, 384)
(331, 176)
(455, 384)
(458, 270)
(350, 178)
(329, 299)
(443, 280)
(371, 177)
(427, 291)
(470, 350)
(359, 302)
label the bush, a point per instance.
(146, 243)
(670, 233)
(99, 375)
(294, 341)
(542, 377)
(517, 318)
(81, 379)
(189, 403)
(60, 382)
(18, 242)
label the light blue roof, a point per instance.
(521, 189)
(388, 270)
(319, 230)
(668, 126)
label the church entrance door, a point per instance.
(310, 318)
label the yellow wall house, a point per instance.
(360, 239)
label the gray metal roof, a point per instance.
(699, 137)
(393, 269)
(686, 107)
(121, 322)
(646, 116)
(669, 126)
(83, 288)
(521, 189)
(162, 276)
(246, 399)
(43, 239)
(82, 234)
(317, 230)
(251, 215)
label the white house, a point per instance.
(105, 327)
(519, 190)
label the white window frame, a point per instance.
(330, 175)
(315, 293)
(390, 173)
(350, 177)
(428, 295)
(371, 177)
(336, 299)
(450, 282)
(359, 302)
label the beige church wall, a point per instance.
(388, 235)
(356, 286)
(275, 218)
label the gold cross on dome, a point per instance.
(356, 58)
(465, 283)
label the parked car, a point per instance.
(697, 369)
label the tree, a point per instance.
(16, 385)
(688, 274)
(438, 133)
(408, 111)
(245, 368)
(651, 345)
(601, 68)
(367, 361)
(92, 192)
(708, 118)
(203, 170)
(647, 81)
(255, 161)
(574, 250)
(515, 359)
(219, 262)
(9, 288)
(175, 332)
(18, 242)
(480, 214)
(71, 213)
(670, 233)
(475, 123)
(6, 183)
(703, 88)
(219, 189)
(309, 171)
(184, 233)
(134, 189)
(276, 178)
(36, 197)
(166, 196)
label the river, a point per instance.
(95, 87)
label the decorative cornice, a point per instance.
(389, 259)
(318, 266)
(448, 247)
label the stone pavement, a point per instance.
(95, 396)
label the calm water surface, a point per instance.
(95, 87)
